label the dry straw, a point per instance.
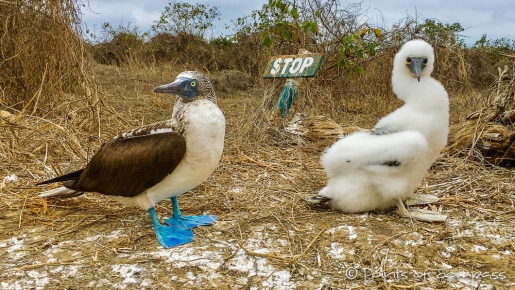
(265, 174)
(41, 53)
(489, 133)
(262, 180)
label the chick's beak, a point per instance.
(416, 66)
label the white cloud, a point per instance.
(496, 18)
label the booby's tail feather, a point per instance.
(61, 192)
(67, 177)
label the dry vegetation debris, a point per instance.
(41, 53)
(491, 129)
(266, 237)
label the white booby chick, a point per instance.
(380, 169)
(161, 160)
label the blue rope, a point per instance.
(287, 96)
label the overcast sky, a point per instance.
(496, 18)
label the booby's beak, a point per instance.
(185, 88)
(416, 65)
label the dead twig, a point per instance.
(286, 259)
(34, 266)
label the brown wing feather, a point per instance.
(129, 166)
(69, 176)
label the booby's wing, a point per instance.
(382, 130)
(131, 162)
(365, 151)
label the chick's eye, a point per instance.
(408, 59)
(193, 83)
(425, 60)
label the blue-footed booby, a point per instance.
(380, 169)
(161, 160)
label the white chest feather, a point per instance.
(426, 110)
(204, 130)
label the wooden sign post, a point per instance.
(294, 68)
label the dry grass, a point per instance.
(54, 114)
(258, 191)
(41, 54)
(488, 133)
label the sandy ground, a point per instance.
(324, 250)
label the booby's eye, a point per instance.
(193, 84)
(408, 60)
(425, 60)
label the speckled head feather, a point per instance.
(205, 88)
(205, 91)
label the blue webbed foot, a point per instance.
(188, 222)
(170, 236)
